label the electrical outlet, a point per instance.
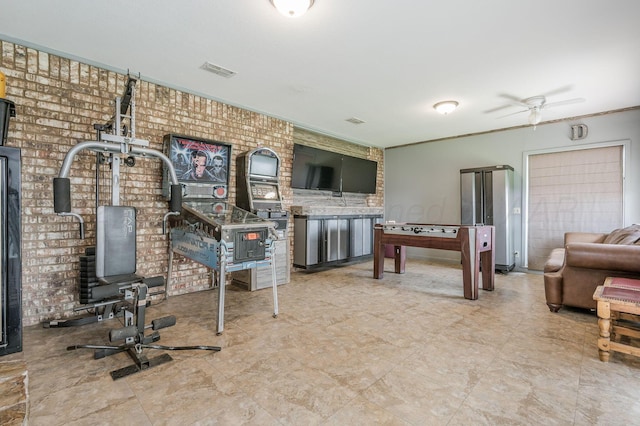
(516, 210)
(516, 253)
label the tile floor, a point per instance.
(347, 350)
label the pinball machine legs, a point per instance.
(221, 295)
(221, 279)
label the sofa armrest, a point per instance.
(603, 256)
(583, 237)
(555, 261)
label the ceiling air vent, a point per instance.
(355, 120)
(223, 72)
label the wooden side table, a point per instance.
(618, 310)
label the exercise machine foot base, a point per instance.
(134, 368)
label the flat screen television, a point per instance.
(359, 175)
(201, 165)
(315, 169)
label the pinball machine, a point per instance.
(209, 230)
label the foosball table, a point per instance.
(475, 244)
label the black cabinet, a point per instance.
(332, 239)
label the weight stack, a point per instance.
(88, 278)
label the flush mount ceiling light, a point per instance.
(292, 8)
(445, 107)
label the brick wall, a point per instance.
(58, 101)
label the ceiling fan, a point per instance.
(535, 104)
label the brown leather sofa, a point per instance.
(572, 273)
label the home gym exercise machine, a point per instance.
(116, 289)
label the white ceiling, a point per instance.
(385, 62)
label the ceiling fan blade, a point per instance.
(514, 100)
(565, 102)
(557, 91)
(497, 108)
(514, 113)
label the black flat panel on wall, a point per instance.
(359, 175)
(315, 168)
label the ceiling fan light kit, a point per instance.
(535, 117)
(446, 107)
(292, 8)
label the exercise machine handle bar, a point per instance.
(62, 183)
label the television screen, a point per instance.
(315, 169)
(359, 175)
(263, 165)
(200, 163)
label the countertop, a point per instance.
(334, 210)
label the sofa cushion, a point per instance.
(628, 235)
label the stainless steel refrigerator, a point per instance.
(486, 198)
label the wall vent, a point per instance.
(355, 120)
(216, 69)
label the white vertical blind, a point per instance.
(572, 191)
